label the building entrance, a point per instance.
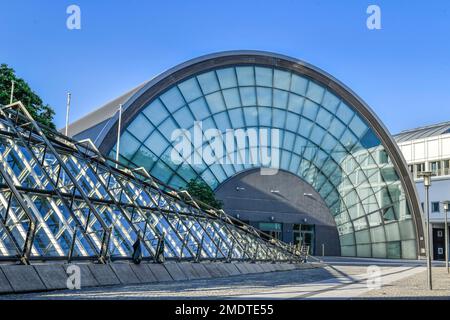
(304, 236)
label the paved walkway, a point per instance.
(341, 287)
(340, 279)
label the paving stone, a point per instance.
(240, 266)
(23, 278)
(124, 272)
(213, 270)
(54, 276)
(201, 271)
(280, 267)
(271, 267)
(189, 270)
(290, 266)
(251, 267)
(5, 287)
(223, 269)
(143, 273)
(175, 271)
(277, 267)
(160, 272)
(232, 270)
(258, 268)
(266, 267)
(104, 274)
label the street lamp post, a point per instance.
(446, 203)
(427, 183)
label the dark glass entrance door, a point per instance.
(438, 244)
(304, 235)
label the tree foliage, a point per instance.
(201, 191)
(41, 112)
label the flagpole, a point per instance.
(12, 92)
(118, 136)
(67, 113)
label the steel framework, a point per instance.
(62, 199)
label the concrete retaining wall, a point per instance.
(56, 276)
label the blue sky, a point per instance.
(402, 71)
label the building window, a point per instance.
(435, 167)
(418, 168)
(435, 207)
(273, 229)
(446, 167)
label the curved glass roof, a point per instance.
(321, 139)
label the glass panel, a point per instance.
(168, 127)
(315, 92)
(280, 99)
(232, 98)
(265, 116)
(292, 122)
(278, 118)
(310, 110)
(208, 82)
(298, 85)
(227, 78)
(199, 109)
(344, 113)
(184, 118)
(190, 89)
(282, 79)
(264, 96)
(156, 142)
(263, 76)
(129, 145)
(237, 118)
(140, 127)
(251, 116)
(156, 112)
(172, 99)
(324, 118)
(248, 96)
(330, 102)
(358, 126)
(295, 103)
(216, 103)
(245, 75)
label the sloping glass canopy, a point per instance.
(61, 199)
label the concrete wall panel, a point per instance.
(23, 278)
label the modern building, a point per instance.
(287, 147)
(428, 149)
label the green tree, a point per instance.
(41, 112)
(201, 191)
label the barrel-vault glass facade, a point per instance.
(323, 140)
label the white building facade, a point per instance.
(428, 149)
